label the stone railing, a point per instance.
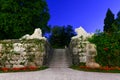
(22, 53)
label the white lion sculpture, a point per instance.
(81, 32)
(36, 35)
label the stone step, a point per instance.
(59, 59)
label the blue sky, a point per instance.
(89, 14)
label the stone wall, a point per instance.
(23, 53)
(81, 50)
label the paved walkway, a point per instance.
(58, 71)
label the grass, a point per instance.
(94, 70)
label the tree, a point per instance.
(56, 34)
(69, 32)
(20, 17)
(116, 24)
(109, 19)
(61, 36)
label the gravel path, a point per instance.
(58, 71)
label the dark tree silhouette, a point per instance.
(109, 19)
(61, 36)
(116, 24)
(18, 17)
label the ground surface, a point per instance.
(59, 71)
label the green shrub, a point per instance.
(108, 48)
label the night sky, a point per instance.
(89, 14)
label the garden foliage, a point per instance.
(108, 48)
(108, 42)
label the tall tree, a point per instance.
(69, 32)
(18, 17)
(55, 37)
(116, 24)
(109, 19)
